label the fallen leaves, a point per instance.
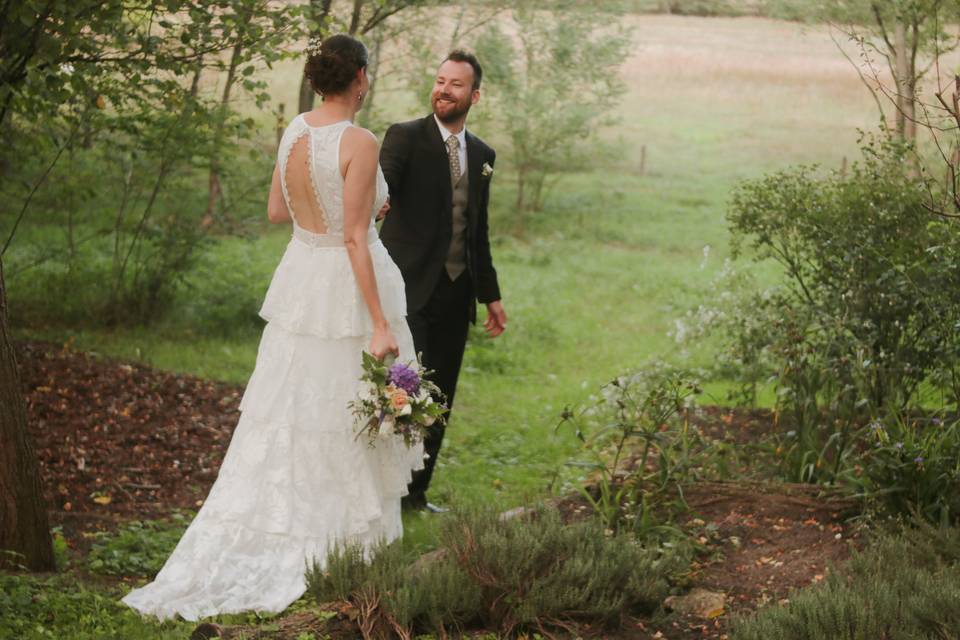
(118, 438)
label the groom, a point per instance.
(439, 177)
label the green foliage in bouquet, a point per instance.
(905, 587)
(528, 573)
(396, 399)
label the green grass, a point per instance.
(54, 607)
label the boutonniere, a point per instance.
(486, 170)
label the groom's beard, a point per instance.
(454, 110)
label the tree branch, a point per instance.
(875, 7)
(26, 203)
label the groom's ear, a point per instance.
(475, 97)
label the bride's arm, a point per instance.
(359, 153)
(276, 206)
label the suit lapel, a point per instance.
(474, 166)
(438, 156)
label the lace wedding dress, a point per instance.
(294, 480)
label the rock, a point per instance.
(420, 564)
(699, 602)
(517, 512)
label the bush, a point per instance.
(222, 294)
(913, 468)
(530, 573)
(906, 587)
(869, 308)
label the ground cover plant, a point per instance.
(638, 444)
(527, 573)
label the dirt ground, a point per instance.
(120, 441)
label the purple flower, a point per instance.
(918, 459)
(403, 377)
(936, 422)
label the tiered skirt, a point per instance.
(295, 479)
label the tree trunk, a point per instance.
(215, 191)
(24, 527)
(910, 63)
(521, 203)
(355, 17)
(307, 96)
(902, 75)
(320, 10)
(364, 119)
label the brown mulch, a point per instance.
(763, 541)
(119, 441)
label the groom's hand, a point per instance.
(383, 210)
(496, 321)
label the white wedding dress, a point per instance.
(295, 480)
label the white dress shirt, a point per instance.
(461, 138)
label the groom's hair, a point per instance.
(459, 55)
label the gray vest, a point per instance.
(457, 256)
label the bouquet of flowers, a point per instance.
(395, 399)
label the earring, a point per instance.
(359, 96)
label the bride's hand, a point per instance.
(383, 343)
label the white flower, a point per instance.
(429, 420)
(407, 409)
(367, 392)
(486, 171)
(386, 427)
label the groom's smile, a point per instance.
(454, 91)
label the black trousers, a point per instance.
(440, 334)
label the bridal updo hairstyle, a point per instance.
(332, 66)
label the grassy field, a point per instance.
(595, 283)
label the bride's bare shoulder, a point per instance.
(358, 141)
(359, 136)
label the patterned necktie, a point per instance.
(453, 154)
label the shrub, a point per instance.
(913, 468)
(868, 310)
(906, 587)
(530, 573)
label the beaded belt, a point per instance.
(312, 239)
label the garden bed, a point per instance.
(152, 442)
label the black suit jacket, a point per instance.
(418, 229)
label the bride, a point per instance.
(294, 480)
